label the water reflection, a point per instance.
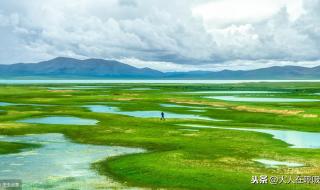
(143, 114)
(276, 164)
(251, 99)
(59, 163)
(62, 120)
(296, 139)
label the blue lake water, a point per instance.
(59, 163)
(20, 104)
(276, 164)
(143, 81)
(138, 89)
(198, 111)
(60, 120)
(179, 106)
(232, 92)
(296, 139)
(78, 88)
(190, 108)
(6, 104)
(144, 114)
(251, 99)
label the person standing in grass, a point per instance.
(162, 116)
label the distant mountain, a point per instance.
(276, 73)
(67, 68)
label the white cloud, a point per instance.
(226, 12)
(229, 65)
(167, 35)
(157, 65)
(80, 27)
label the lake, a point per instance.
(144, 114)
(143, 81)
(296, 139)
(231, 92)
(276, 164)
(252, 99)
(60, 120)
(58, 163)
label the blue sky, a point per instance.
(179, 35)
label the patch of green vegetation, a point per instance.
(12, 147)
(176, 158)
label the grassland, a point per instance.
(175, 159)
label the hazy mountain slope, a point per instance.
(62, 67)
(72, 67)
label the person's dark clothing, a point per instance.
(162, 116)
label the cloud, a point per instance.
(228, 65)
(225, 12)
(79, 29)
(182, 35)
(132, 3)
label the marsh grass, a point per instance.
(176, 159)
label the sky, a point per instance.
(180, 35)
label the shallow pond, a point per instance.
(198, 111)
(276, 164)
(144, 114)
(90, 81)
(60, 120)
(191, 108)
(179, 106)
(58, 164)
(6, 104)
(296, 139)
(143, 89)
(232, 92)
(20, 104)
(249, 99)
(78, 88)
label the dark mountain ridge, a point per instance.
(62, 67)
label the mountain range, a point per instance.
(67, 68)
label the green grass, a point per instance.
(175, 158)
(10, 147)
